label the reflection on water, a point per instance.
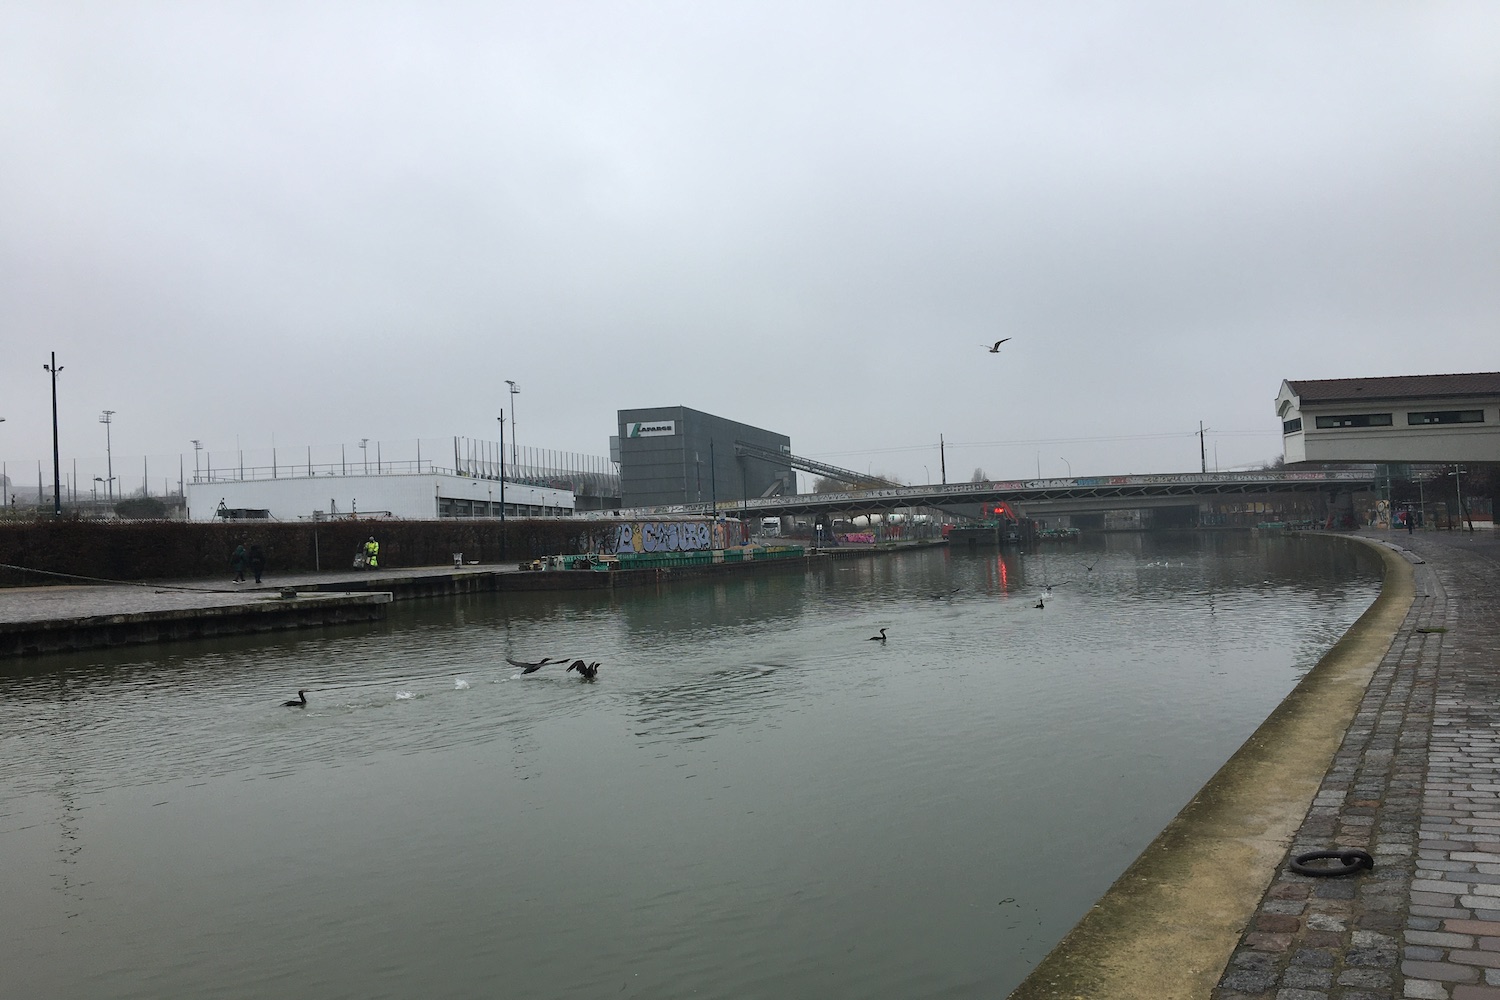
(751, 800)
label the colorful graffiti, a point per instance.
(664, 536)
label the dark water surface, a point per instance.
(751, 801)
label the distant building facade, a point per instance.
(676, 455)
(417, 496)
(1395, 419)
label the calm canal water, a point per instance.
(752, 800)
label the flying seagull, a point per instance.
(996, 348)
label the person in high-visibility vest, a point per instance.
(372, 553)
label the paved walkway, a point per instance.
(57, 603)
(1416, 783)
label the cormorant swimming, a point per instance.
(298, 702)
(1039, 603)
(878, 638)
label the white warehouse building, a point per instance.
(415, 496)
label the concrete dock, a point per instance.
(63, 618)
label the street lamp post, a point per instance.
(106, 418)
(1068, 464)
(54, 368)
(514, 453)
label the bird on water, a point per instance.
(298, 702)
(585, 670)
(878, 638)
(996, 348)
(1039, 603)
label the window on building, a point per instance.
(1291, 426)
(1446, 417)
(1354, 420)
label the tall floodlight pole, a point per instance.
(54, 368)
(197, 447)
(106, 418)
(501, 418)
(362, 447)
(514, 454)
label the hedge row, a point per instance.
(157, 550)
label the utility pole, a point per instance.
(1458, 484)
(943, 459)
(1202, 452)
(54, 368)
(106, 418)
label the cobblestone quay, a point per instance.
(1417, 784)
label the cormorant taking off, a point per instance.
(298, 702)
(996, 348)
(585, 670)
(529, 668)
(878, 638)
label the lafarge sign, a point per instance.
(651, 429)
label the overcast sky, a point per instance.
(319, 222)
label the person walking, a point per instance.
(257, 562)
(238, 561)
(372, 553)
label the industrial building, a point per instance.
(675, 455)
(477, 485)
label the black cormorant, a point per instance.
(585, 670)
(878, 638)
(298, 702)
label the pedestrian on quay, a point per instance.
(372, 553)
(238, 561)
(257, 562)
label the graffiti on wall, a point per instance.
(664, 536)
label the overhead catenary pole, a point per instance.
(1202, 453)
(943, 459)
(106, 418)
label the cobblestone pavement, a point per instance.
(32, 604)
(1416, 783)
